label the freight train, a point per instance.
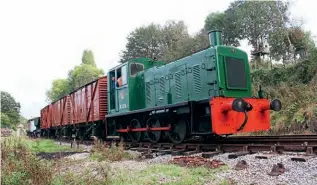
(205, 94)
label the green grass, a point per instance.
(46, 145)
(167, 174)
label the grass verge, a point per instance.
(167, 174)
(46, 145)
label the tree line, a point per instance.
(10, 111)
(254, 21)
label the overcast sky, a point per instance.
(41, 40)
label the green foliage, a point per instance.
(261, 21)
(10, 111)
(226, 22)
(88, 58)
(167, 42)
(5, 120)
(83, 74)
(144, 41)
(86, 72)
(296, 87)
(60, 88)
(302, 72)
(8, 103)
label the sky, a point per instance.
(41, 41)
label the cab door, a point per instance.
(121, 90)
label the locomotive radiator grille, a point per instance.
(148, 92)
(162, 89)
(178, 85)
(197, 80)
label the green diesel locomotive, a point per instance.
(207, 93)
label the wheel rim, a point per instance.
(135, 136)
(154, 136)
(178, 133)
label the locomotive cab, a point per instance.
(125, 84)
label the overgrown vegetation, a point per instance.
(296, 86)
(101, 152)
(20, 166)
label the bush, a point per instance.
(296, 87)
(20, 166)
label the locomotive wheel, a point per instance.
(154, 136)
(135, 136)
(178, 132)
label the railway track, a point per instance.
(239, 145)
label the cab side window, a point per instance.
(122, 76)
(135, 68)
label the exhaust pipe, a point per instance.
(215, 38)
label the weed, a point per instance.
(110, 152)
(20, 166)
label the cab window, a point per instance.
(122, 76)
(135, 68)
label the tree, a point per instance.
(256, 21)
(60, 87)
(10, 110)
(145, 41)
(301, 39)
(88, 58)
(163, 42)
(86, 72)
(83, 74)
(227, 23)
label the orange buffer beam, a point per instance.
(128, 129)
